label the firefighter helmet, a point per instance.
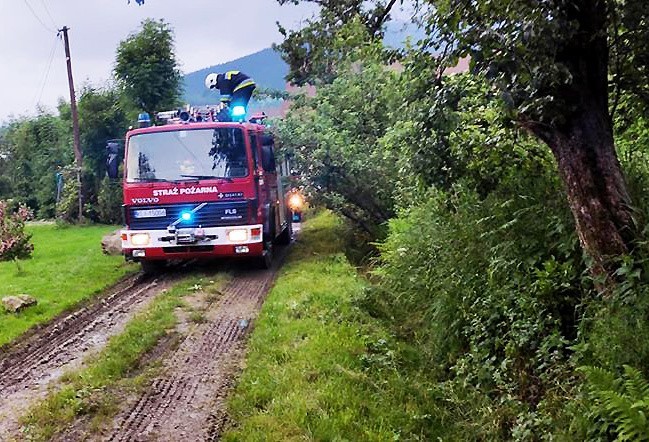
(210, 81)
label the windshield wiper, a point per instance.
(207, 177)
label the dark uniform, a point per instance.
(235, 87)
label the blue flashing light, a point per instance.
(144, 120)
(186, 216)
(238, 111)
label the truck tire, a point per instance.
(284, 238)
(265, 261)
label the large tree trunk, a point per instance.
(583, 143)
(595, 187)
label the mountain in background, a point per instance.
(268, 69)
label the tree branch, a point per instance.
(544, 131)
(381, 18)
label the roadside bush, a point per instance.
(14, 242)
(488, 290)
(67, 209)
(109, 202)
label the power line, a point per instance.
(47, 70)
(38, 18)
(47, 11)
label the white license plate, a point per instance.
(149, 213)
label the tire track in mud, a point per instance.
(41, 357)
(187, 400)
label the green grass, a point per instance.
(318, 367)
(67, 266)
(97, 390)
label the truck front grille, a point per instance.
(230, 213)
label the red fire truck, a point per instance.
(199, 188)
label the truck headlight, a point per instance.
(140, 239)
(237, 235)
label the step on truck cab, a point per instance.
(198, 188)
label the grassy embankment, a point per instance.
(320, 368)
(121, 367)
(67, 267)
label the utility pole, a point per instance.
(75, 117)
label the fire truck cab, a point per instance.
(202, 189)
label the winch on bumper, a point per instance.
(183, 243)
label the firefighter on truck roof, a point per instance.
(235, 87)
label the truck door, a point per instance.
(276, 194)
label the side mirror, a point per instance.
(267, 153)
(267, 139)
(112, 164)
(268, 158)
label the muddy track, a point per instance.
(41, 357)
(187, 400)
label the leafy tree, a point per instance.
(5, 165)
(101, 119)
(335, 139)
(551, 60)
(37, 148)
(146, 67)
(314, 52)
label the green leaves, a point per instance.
(15, 243)
(102, 118)
(146, 67)
(35, 149)
(315, 52)
(335, 139)
(617, 406)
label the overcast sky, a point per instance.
(207, 32)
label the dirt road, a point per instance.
(184, 402)
(187, 401)
(39, 359)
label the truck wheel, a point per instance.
(152, 267)
(285, 237)
(265, 261)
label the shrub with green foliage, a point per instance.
(334, 138)
(109, 202)
(487, 289)
(617, 407)
(483, 273)
(14, 242)
(482, 270)
(34, 148)
(67, 209)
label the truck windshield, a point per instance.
(186, 154)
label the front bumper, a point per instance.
(209, 242)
